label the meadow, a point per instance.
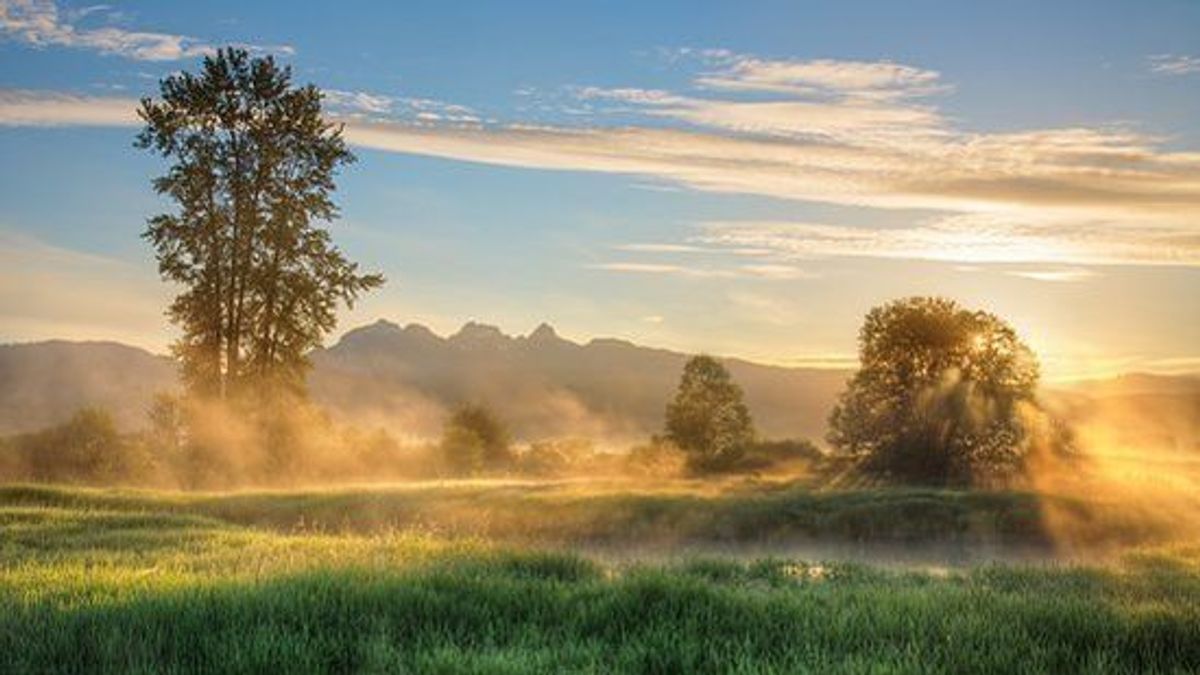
(568, 576)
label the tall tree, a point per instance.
(253, 181)
(943, 395)
(708, 419)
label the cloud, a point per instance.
(976, 238)
(39, 23)
(1171, 64)
(772, 272)
(852, 133)
(362, 105)
(859, 79)
(775, 271)
(50, 109)
(1056, 276)
(358, 101)
(662, 268)
(660, 248)
(804, 98)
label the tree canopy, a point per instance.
(943, 394)
(708, 419)
(474, 439)
(252, 181)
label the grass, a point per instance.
(117, 581)
(678, 513)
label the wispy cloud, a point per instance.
(854, 133)
(1174, 64)
(1055, 276)
(40, 23)
(363, 105)
(818, 98)
(638, 247)
(776, 272)
(358, 101)
(974, 238)
(47, 109)
(663, 268)
(822, 77)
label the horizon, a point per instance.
(446, 335)
(746, 182)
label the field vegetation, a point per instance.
(351, 580)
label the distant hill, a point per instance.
(405, 378)
(543, 384)
(42, 383)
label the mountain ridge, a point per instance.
(406, 377)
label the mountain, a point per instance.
(406, 378)
(543, 384)
(42, 383)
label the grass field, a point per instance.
(480, 577)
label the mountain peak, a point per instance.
(473, 333)
(381, 329)
(543, 332)
(419, 330)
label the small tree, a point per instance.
(944, 395)
(474, 439)
(707, 419)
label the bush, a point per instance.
(658, 458)
(87, 449)
(558, 457)
(475, 440)
(769, 455)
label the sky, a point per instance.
(744, 179)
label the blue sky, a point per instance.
(739, 178)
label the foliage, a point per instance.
(559, 457)
(208, 445)
(944, 395)
(86, 449)
(253, 175)
(475, 440)
(764, 455)
(708, 419)
(656, 458)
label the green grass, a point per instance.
(672, 513)
(112, 581)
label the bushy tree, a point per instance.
(708, 420)
(88, 448)
(943, 395)
(252, 179)
(474, 440)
